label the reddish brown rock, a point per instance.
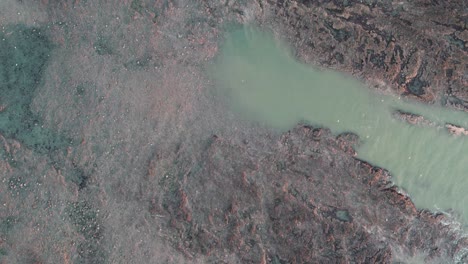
(303, 199)
(296, 198)
(415, 48)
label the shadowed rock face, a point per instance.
(299, 198)
(416, 47)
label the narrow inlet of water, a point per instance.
(263, 82)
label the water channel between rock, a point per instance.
(263, 82)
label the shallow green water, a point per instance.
(263, 82)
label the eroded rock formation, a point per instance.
(125, 81)
(415, 48)
(299, 198)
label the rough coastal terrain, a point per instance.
(416, 48)
(114, 150)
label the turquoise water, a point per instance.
(264, 83)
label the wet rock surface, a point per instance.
(412, 119)
(457, 130)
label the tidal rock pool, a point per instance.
(260, 78)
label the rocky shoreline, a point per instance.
(117, 154)
(303, 198)
(416, 49)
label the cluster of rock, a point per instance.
(417, 48)
(299, 198)
(420, 120)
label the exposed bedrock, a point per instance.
(418, 48)
(301, 198)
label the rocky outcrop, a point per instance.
(302, 198)
(296, 198)
(417, 48)
(457, 130)
(412, 119)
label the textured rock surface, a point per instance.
(456, 130)
(412, 119)
(416, 48)
(299, 198)
(115, 161)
